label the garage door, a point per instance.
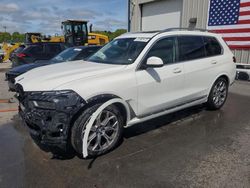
(161, 15)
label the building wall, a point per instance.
(191, 9)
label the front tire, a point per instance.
(218, 94)
(105, 134)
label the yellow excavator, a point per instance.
(75, 33)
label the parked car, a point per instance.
(37, 51)
(17, 51)
(134, 78)
(70, 54)
(242, 71)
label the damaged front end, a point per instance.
(48, 115)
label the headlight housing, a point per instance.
(54, 100)
(42, 104)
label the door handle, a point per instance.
(177, 70)
(214, 62)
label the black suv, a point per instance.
(38, 51)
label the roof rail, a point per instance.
(184, 28)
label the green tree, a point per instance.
(17, 37)
(5, 37)
(112, 35)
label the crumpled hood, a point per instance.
(52, 76)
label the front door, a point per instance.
(160, 88)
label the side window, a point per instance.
(191, 47)
(54, 48)
(213, 47)
(36, 49)
(164, 49)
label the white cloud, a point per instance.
(39, 17)
(8, 8)
(110, 24)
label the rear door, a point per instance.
(199, 66)
(160, 88)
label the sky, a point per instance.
(45, 16)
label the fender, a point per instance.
(94, 116)
(221, 74)
(101, 98)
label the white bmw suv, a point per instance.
(85, 105)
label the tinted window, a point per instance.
(164, 49)
(35, 49)
(191, 47)
(54, 48)
(212, 46)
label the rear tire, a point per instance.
(105, 134)
(218, 94)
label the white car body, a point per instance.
(149, 93)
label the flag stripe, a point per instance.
(240, 47)
(232, 30)
(245, 4)
(244, 22)
(235, 34)
(236, 38)
(244, 9)
(238, 42)
(236, 26)
(247, 17)
(244, 13)
(244, 1)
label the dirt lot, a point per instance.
(191, 148)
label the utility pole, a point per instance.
(5, 28)
(129, 21)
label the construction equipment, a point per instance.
(38, 37)
(8, 49)
(76, 33)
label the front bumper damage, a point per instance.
(48, 116)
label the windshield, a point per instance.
(67, 55)
(120, 51)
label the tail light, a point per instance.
(21, 55)
(234, 59)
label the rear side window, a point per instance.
(212, 46)
(38, 49)
(191, 47)
(54, 48)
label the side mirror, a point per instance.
(154, 62)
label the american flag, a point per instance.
(231, 18)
